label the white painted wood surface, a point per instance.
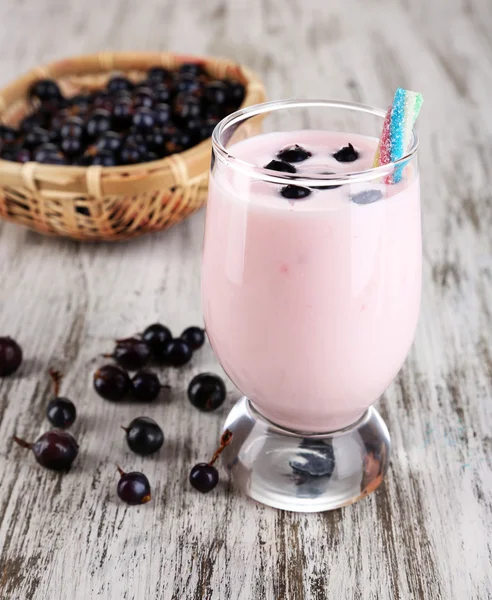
(426, 534)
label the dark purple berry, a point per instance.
(293, 154)
(119, 83)
(102, 99)
(158, 75)
(145, 386)
(280, 165)
(130, 153)
(44, 151)
(54, 450)
(187, 84)
(162, 113)
(346, 154)
(37, 119)
(295, 192)
(45, 90)
(138, 138)
(53, 106)
(144, 436)
(367, 197)
(72, 146)
(104, 158)
(109, 141)
(176, 352)
(207, 392)
(156, 142)
(49, 154)
(157, 336)
(235, 93)
(98, 123)
(122, 95)
(162, 94)
(10, 356)
(23, 155)
(193, 69)
(73, 128)
(204, 477)
(122, 114)
(215, 92)
(81, 103)
(111, 383)
(56, 122)
(133, 488)
(61, 412)
(179, 141)
(144, 97)
(215, 111)
(131, 353)
(36, 137)
(143, 119)
(187, 107)
(194, 336)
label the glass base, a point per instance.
(305, 472)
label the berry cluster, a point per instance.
(57, 449)
(124, 123)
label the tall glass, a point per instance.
(310, 303)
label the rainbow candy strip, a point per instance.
(397, 130)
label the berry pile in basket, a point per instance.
(56, 449)
(125, 123)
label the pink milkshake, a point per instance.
(311, 293)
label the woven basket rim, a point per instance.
(104, 62)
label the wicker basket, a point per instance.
(110, 203)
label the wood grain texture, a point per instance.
(426, 534)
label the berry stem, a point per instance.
(225, 440)
(56, 376)
(22, 443)
(124, 428)
(107, 355)
(120, 471)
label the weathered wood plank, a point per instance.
(426, 533)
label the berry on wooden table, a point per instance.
(61, 412)
(176, 353)
(207, 392)
(55, 450)
(10, 356)
(204, 476)
(145, 386)
(194, 336)
(133, 488)
(156, 336)
(111, 383)
(144, 436)
(131, 353)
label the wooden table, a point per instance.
(426, 533)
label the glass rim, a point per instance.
(307, 180)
